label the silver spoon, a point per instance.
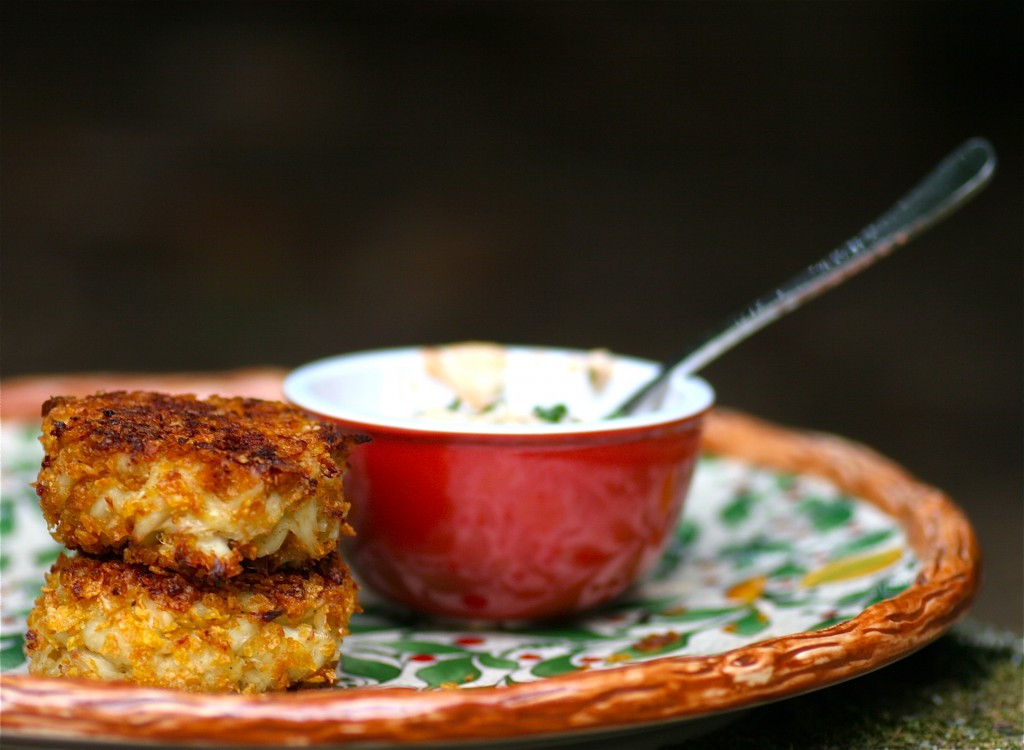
(956, 179)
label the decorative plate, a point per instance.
(802, 560)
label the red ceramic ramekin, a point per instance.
(509, 521)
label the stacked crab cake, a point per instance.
(206, 534)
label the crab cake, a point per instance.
(192, 485)
(103, 618)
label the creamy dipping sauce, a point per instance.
(478, 376)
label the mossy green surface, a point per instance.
(966, 690)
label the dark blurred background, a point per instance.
(203, 185)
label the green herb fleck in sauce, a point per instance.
(553, 414)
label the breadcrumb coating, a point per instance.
(192, 485)
(103, 618)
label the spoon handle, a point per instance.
(956, 179)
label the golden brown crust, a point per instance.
(107, 619)
(189, 484)
(267, 438)
(282, 594)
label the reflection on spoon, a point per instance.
(957, 178)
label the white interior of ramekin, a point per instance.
(389, 387)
